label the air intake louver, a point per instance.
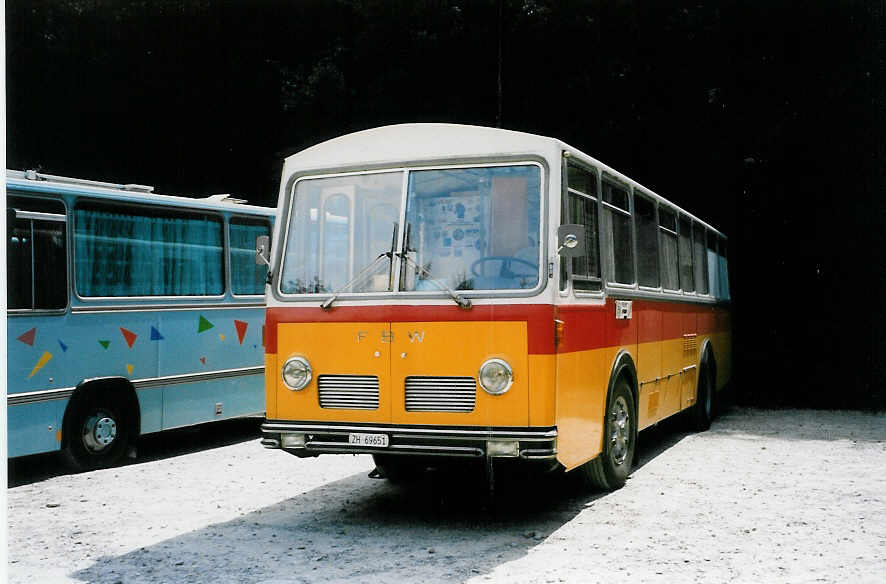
(440, 394)
(348, 392)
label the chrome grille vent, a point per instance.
(348, 392)
(440, 394)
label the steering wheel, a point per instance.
(505, 271)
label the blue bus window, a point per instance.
(246, 276)
(35, 255)
(146, 253)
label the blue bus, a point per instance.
(128, 313)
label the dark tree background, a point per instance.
(763, 117)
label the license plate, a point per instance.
(373, 440)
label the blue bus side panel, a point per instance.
(39, 355)
(35, 360)
(196, 341)
(196, 402)
(48, 352)
(60, 351)
(214, 339)
(32, 428)
(150, 402)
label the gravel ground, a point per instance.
(763, 496)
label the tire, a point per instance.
(397, 469)
(610, 470)
(702, 412)
(96, 430)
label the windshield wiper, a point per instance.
(327, 304)
(458, 298)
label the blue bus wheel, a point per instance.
(96, 432)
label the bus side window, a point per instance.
(247, 277)
(582, 209)
(686, 282)
(667, 226)
(19, 291)
(723, 270)
(618, 241)
(713, 265)
(145, 251)
(36, 257)
(699, 263)
(647, 241)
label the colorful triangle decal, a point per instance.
(203, 360)
(28, 337)
(62, 345)
(129, 367)
(221, 336)
(241, 329)
(155, 334)
(129, 336)
(204, 325)
(104, 343)
(44, 359)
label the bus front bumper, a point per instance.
(305, 439)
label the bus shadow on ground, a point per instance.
(442, 528)
(445, 527)
(39, 467)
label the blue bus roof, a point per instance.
(32, 181)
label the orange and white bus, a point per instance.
(463, 292)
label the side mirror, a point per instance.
(570, 240)
(263, 250)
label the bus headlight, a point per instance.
(496, 376)
(297, 373)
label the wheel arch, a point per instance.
(623, 366)
(126, 396)
(599, 472)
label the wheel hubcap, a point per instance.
(619, 431)
(99, 431)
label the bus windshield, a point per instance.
(474, 228)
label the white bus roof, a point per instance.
(38, 182)
(404, 143)
(408, 144)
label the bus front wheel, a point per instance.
(611, 468)
(96, 430)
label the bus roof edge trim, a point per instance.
(34, 175)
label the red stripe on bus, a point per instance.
(593, 327)
(585, 327)
(539, 318)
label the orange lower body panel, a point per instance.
(558, 387)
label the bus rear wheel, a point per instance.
(97, 432)
(610, 470)
(702, 412)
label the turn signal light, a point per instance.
(559, 330)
